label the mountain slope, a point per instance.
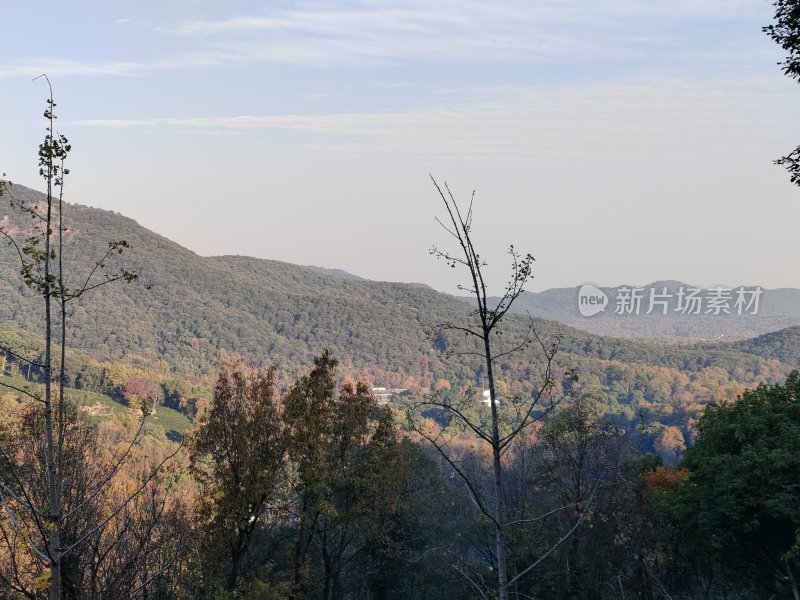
(781, 345)
(196, 306)
(285, 314)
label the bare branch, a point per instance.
(113, 247)
(20, 531)
(8, 350)
(561, 540)
(14, 584)
(446, 228)
(463, 240)
(7, 490)
(464, 419)
(463, 564)
(13, 243)
(22, 391)
(461, 572)
(473, 493)
(547, 384)
(465, 330)
(540, 517)
(16, 203)
(110, 475)
(152, 578)
(516, 348)
(116, 511)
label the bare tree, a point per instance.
(44, 511)
(500, 431)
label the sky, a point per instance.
(618, 141)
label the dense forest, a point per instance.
(319, 492)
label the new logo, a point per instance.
(591, 300)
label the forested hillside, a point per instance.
(185, 309)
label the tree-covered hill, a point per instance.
(185, 309)
(782, 345)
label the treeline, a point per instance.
(21, 356)
(319, 492)
(666, 388)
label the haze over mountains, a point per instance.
(777, 309)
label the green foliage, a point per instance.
(741, 503)
(239, 457)
(786, 33)
(262, 309)
(351, 475)
(165, 424)
(781, 345)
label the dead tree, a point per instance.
(501, 431)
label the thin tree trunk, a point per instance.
(301, 551)
(236, 559)
(62, 373)
(327, 591)
(298, 549)
(54, 489)
(499, 510)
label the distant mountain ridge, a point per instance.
(777, 309)
(263, 309)
(340, 273)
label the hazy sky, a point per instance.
(619, 141)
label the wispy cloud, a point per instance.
(448, 17)
(433, 32)
(62, 67)
(450, 30)
(468, 32)
(597, 119)
(34, 67)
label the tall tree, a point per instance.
(43, 271)
(239, 457)
(519, 413)
(353, 483)
(786, 33)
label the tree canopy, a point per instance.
(786, 33)
(741, 501)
